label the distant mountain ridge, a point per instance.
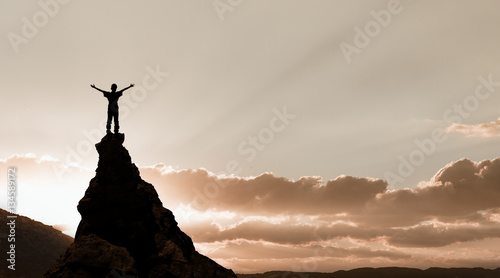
(386, 272)
(37, 246)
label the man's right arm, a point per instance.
(93, 86)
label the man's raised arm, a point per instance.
(93, 86)
(131, 85)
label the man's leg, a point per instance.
(117, 126)
(108, 123)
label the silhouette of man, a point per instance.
(112, 105)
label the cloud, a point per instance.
(44, 170)
(480, 130)
(356, 221)
(460, 204)
(63, 227)
(458, 190)
(455, 193)
(425, 234)
(254, 230)
(430, 235)
(265, 194)
(261, 250)
(47, 189)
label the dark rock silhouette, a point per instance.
(125, 231)
(37, 246)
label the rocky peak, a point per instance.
(126, 230)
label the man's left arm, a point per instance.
(122, 90)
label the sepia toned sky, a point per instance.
(284, 135)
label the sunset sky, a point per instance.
(284, 135)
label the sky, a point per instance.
(284, 135)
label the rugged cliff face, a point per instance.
(125, 231)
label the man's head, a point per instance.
(113, 87)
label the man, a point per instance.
(112, 105)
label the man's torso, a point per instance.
(113, 100)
